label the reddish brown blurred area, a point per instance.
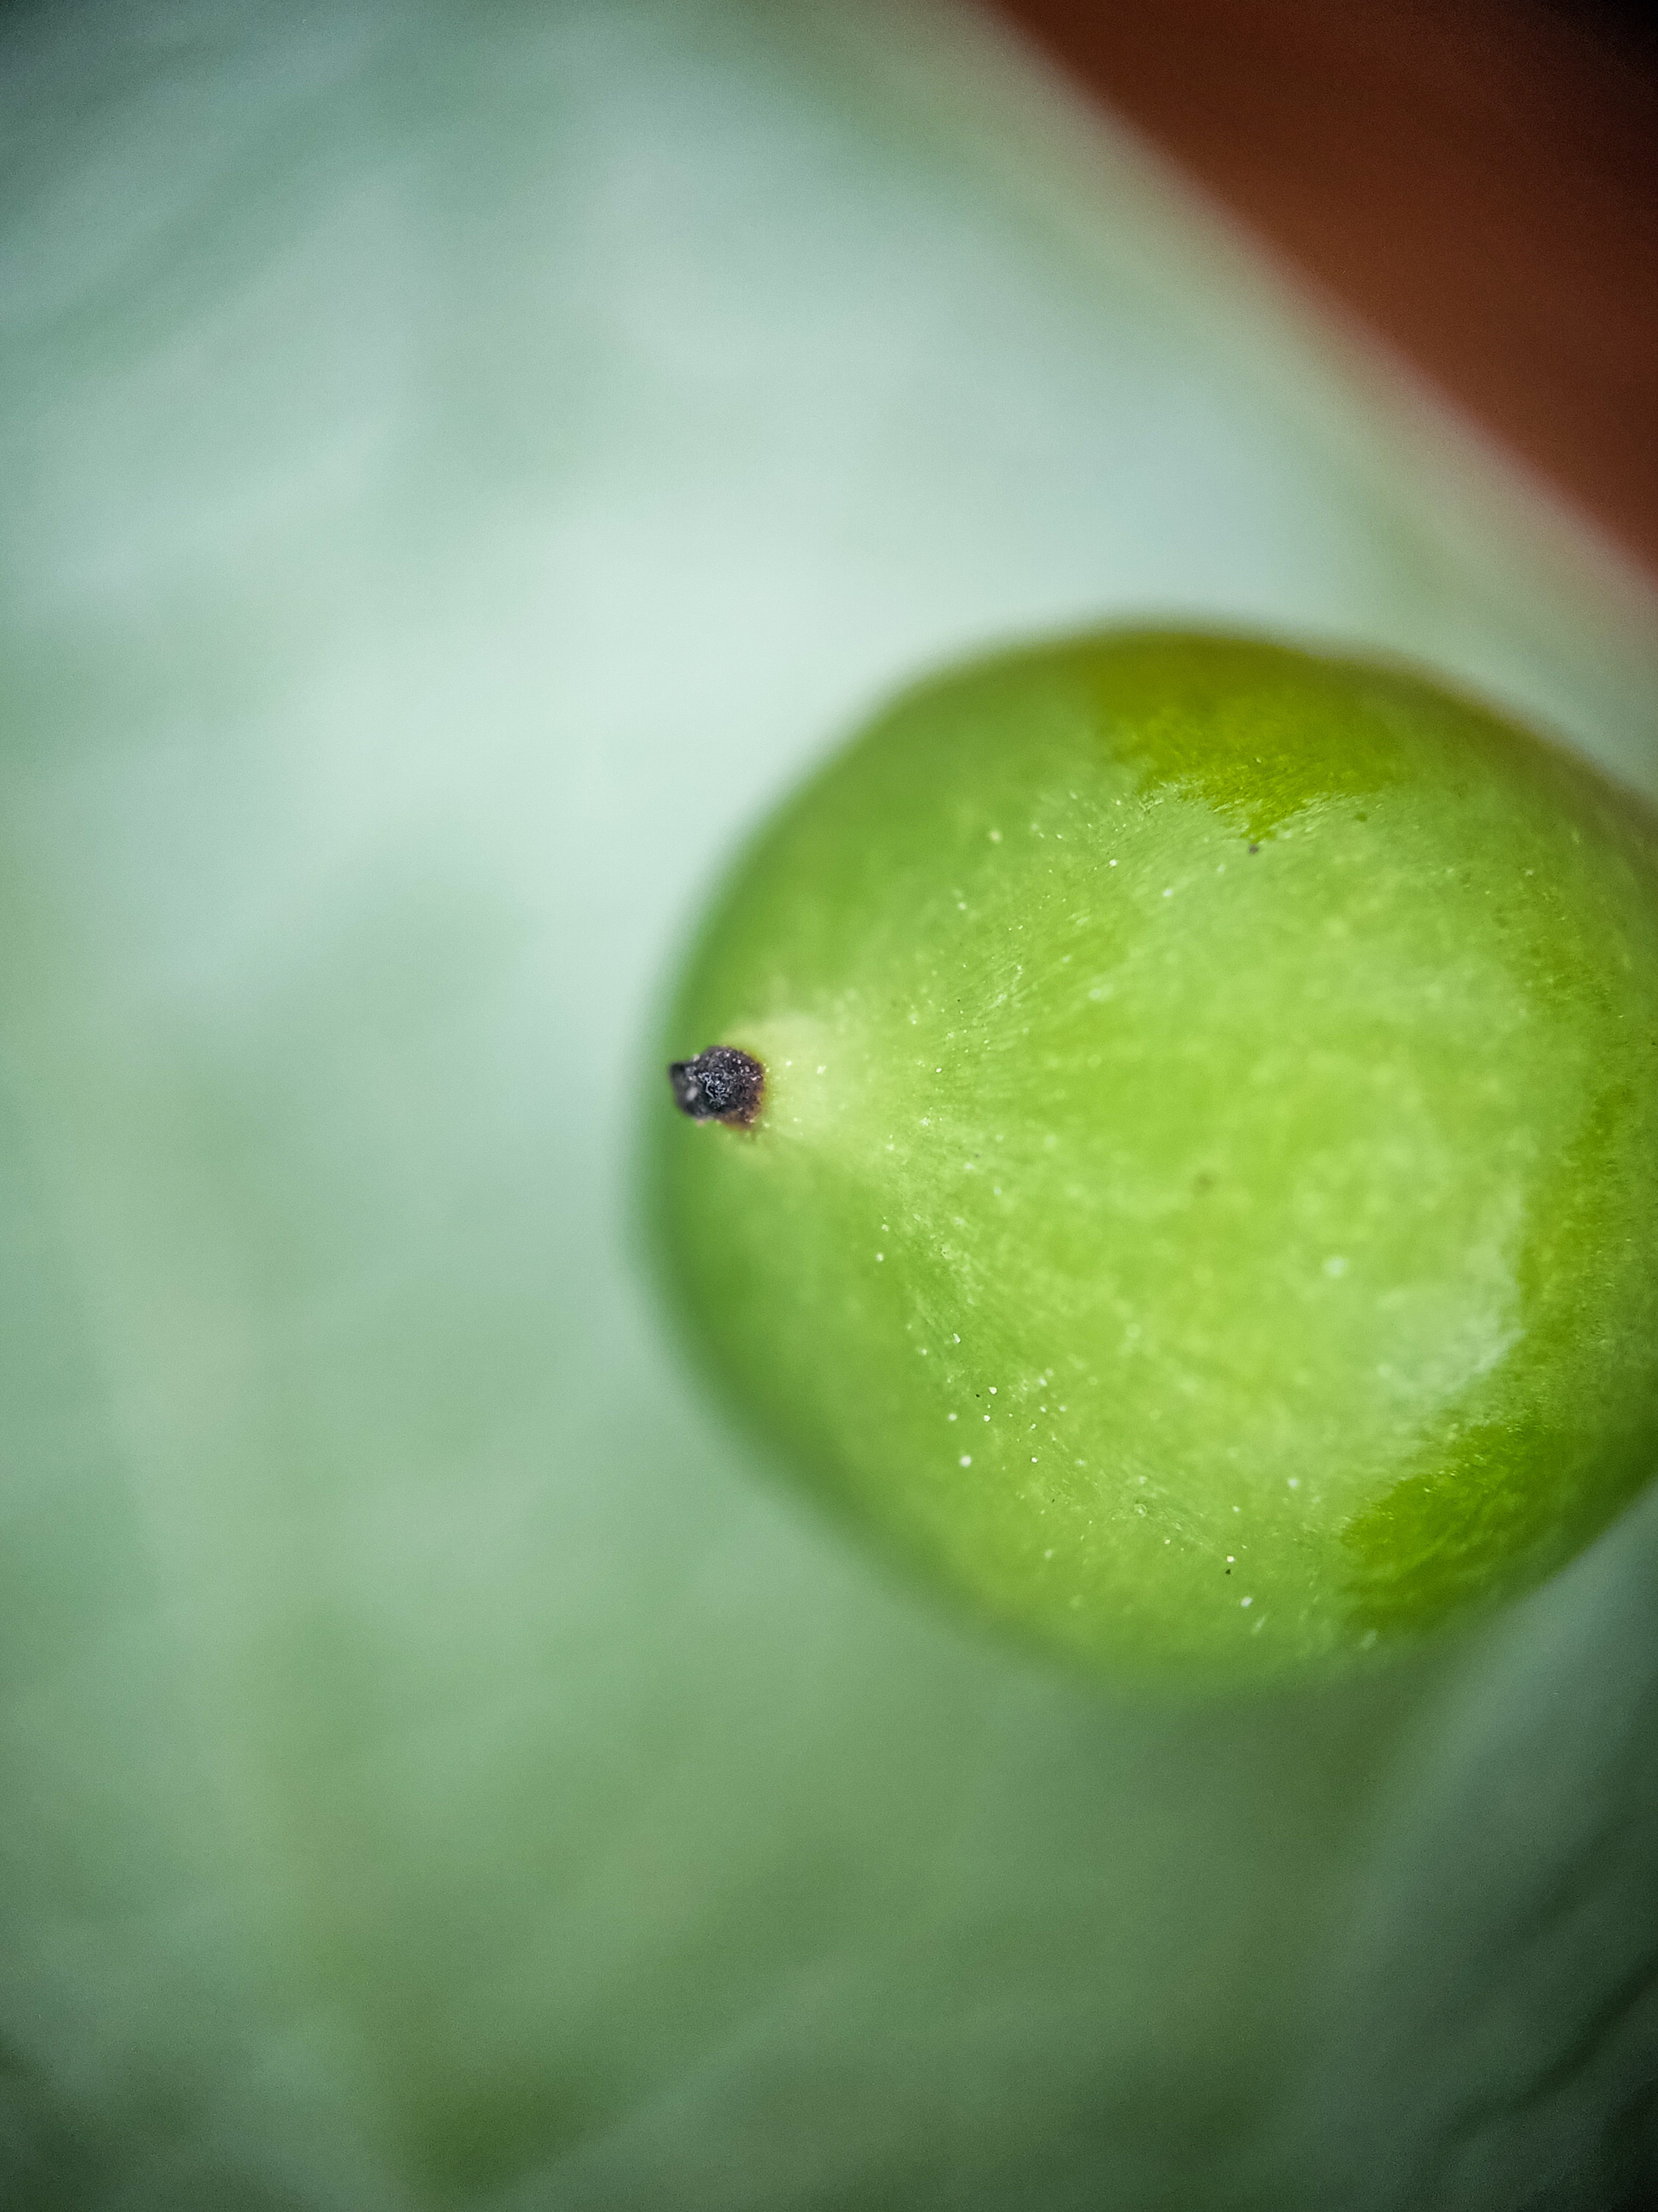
(1477, 178)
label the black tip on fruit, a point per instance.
(721, 1084)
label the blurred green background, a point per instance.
(461, 462)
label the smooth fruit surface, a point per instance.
(1204, 1206)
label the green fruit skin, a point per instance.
(1205, 1208)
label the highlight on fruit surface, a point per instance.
(1202, 1206)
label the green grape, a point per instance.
(1197, 1197)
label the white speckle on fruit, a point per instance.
(950, 1416)
(992, 1389)
(1335, 1264)
(1294, 1481)
(967, 1459)
(880, 1255)
(995, 837)
(1245, 1601)
(1169, 893)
